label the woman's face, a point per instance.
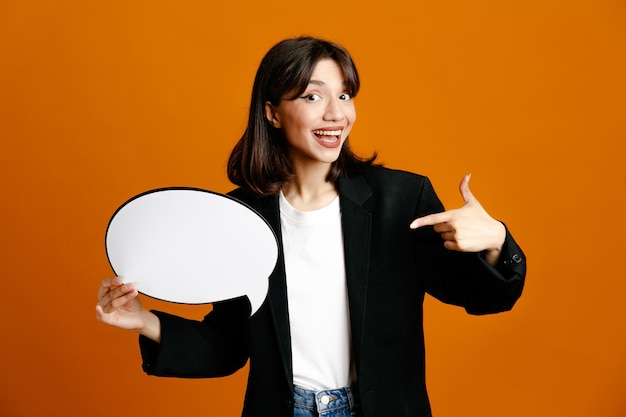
(317, 123)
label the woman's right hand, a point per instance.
(118, 304)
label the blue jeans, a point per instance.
(330, 403)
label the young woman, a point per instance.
(340, 332)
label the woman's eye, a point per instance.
(345, 96)
(312, 97)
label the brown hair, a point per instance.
(259, 161)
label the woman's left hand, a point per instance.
(469, 228)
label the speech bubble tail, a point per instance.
(256, 300)
(255, 304)
(257, 294)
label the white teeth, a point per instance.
(327, 132)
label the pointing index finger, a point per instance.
(431, 220)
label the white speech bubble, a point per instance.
(192, 246)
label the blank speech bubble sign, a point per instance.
(192, 246)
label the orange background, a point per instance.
(100, 101)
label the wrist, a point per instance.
(499, 236)
(151, 327)
(492, 253)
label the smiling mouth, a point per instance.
(327, 136)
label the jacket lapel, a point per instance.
(277, 293)
(356, 222)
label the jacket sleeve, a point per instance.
(215, 346)
(462, 278)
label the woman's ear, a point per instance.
(271, 115)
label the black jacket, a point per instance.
(389, 268)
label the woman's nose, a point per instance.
(334, 110)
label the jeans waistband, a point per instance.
(326, 400)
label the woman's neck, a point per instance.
(309, 189)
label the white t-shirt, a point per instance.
(317, 296)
